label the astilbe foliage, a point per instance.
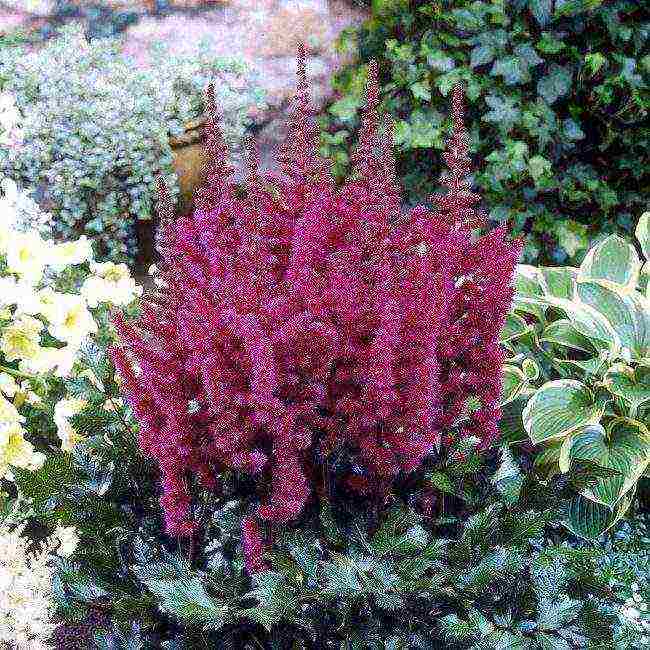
(304, 319)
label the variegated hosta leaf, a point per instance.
(514, 328)
(559, 408)
(514, 382)
(559, 282)
(588, 519)
(589, 322)
(530, 369)
(613, 260)
(624, 448)
(562, 332)
(632, 386)
(642, 233)
(628, 313)
(529, 295)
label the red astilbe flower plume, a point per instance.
(302, 319)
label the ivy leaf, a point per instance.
(555, 84)
(503, 111)
(511, 69)
(539, 167)
(572, 130)
(541, 10)
(421, 91)
(481, 55)
(572, 236)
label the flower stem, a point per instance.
(16, 373)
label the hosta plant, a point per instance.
(314, 339)
(581, 371)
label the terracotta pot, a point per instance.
(188, 163)
(187, 150)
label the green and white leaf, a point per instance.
(559, 408)
(589, 520)
(642, 233)
(613, 260)
(625, 447)
(627, 312)
(514, 328)
(559, 282)
(514, 383)
(562, 332)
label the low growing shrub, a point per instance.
(579, 381)
(95, 129)
(558, 95)
(308, 335)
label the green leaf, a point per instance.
(625, 448)
(559, 408)
(588, 519)
(514, 382)
(276, 600)
(515, 327)
(182, 594)
(633, 387)
(614, 260)
(559, 282)
(628, 313)
(555, 84)
(541, 10)
(572, 236)
(642, 233)
(481, 55)
(561, 332)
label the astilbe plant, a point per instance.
(305, 319)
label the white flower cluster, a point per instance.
(635, 612)
(31, 307)
(26, 605)
(10, 133)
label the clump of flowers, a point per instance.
(47, 291)
(26, 598)
(305, 322)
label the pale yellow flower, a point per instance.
(63, 410)
(9, 413)
(71, 252)
(68, 540)
(27, 255)
(20, 339)
(9, 291)
(46, 359)
(70, 319)
(111, 283)
(8, 384)
(16, 451)
(68, 436)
